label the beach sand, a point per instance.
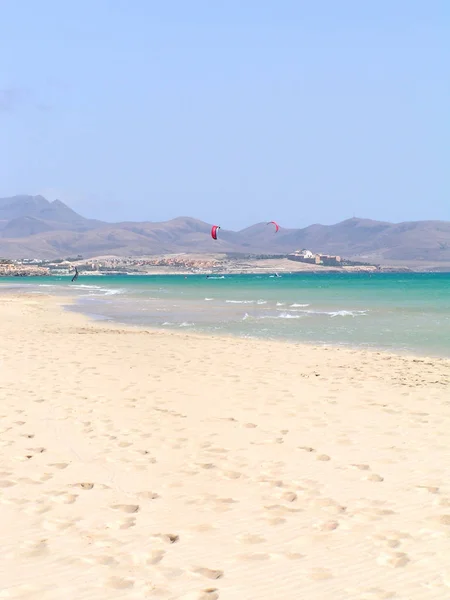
(138, 464)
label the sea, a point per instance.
(404, 313)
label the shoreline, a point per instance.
(73, 305)
(176, 465)
(65, 303)
(314, 346)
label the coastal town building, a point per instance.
(318, 259)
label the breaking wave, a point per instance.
(97, 290)
(348, 313)
(283, 315)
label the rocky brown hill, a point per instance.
(31, 226)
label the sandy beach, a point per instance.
(144, 464)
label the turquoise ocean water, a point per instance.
(397, 312)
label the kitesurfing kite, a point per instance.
(277, 227)
(214, 230)
(75, 277)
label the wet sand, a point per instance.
(139, 464)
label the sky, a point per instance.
(231, 111)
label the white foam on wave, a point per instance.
(208, 299)
(281, 303)
(335, 313)
(295, 305)
(283, 315)
(186, 324)
(348, 313)
(240, 301)
(299, 314)
(98, 290)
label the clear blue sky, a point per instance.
(232, 111)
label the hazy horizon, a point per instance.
(304, 113)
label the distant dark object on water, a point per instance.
(75, 277)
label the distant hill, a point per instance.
(35, 214)
(31, 226)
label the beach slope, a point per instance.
(139, 464)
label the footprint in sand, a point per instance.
(293, 555)
(360, 467)
(209, 573)
(122, 524)
(24, 458)
(206, 465)
(127, 508)
(393, 559)
(276, 521)
(6, 483)
(124, 444)
(326, 525)
(208, 594)
(84, 486)
(170, 538)
(232, 474)
(148, 495)
(289, 496)
(257, 556)
(202, 527)
(38, 508)
(248, 538)
(374, 477)
(444, 520)
(57, 524)
(34, 549)
(17, 501)
(323, 457)
(330, 506)
(155, 557)
(39, 450)
(428, 488)
(62, 497)
(319, 574)
(120, 583)
(105, 560)
(444, 502)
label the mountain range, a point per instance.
(31, 226)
